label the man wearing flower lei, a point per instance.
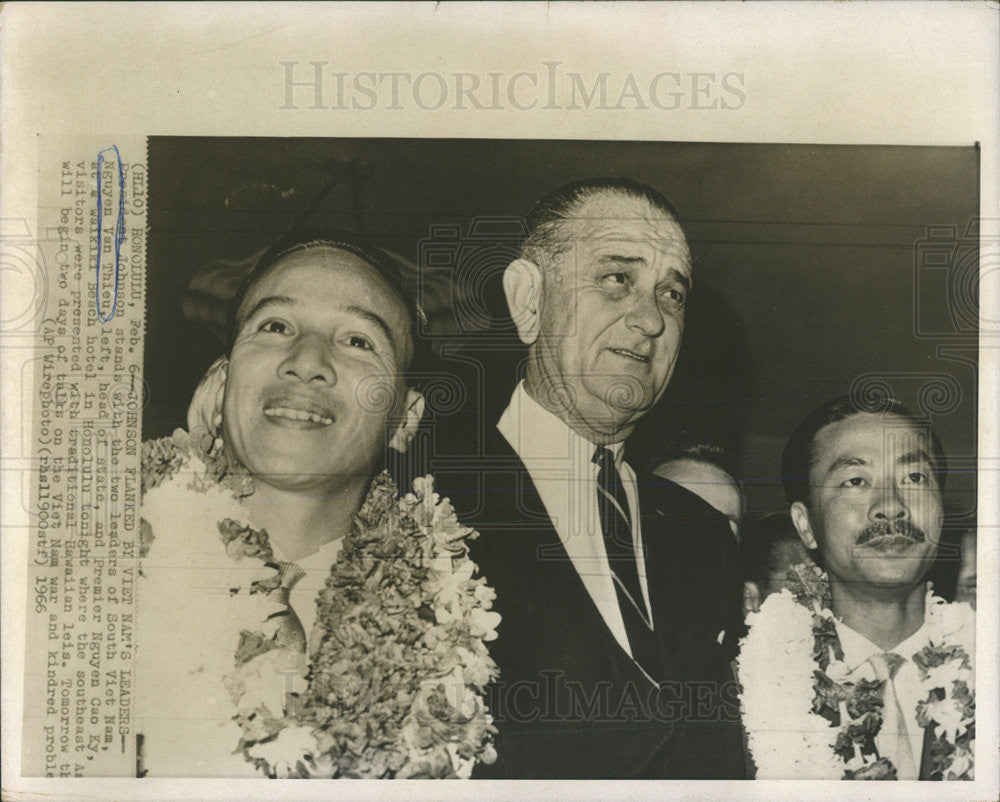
(862, 673)
(254, 657)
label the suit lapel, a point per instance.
(656, 536)
(558, 575)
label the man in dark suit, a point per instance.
(608, 582)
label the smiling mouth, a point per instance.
(301, 415)
(630, 355)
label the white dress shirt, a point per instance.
(302, 598)
(857, 652)
(560, 464)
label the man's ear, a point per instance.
(522, 284)
(205, 409)
(800, 517)
(413, 411)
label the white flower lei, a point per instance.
(788, 740)
(194, 602)
(204, 711)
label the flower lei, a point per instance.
(804, 718)
(397, 679)
(396, 682)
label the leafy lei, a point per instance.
(396, 684)
(806, 718)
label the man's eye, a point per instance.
(274, 327)
(357, 341)
(855, 481)
(674, 297)
(916, 478)
(620, 279)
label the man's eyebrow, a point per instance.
(846, 462)
(680, 277)
(911, 457)
(376, 320)
(267, 301)
(366, 314)
(618, 260)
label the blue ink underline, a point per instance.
(119, 230)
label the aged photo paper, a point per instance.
(833, 166)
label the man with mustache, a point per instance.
(865, 489)
(607, 582)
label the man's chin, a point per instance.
(900, 572)
(287, 479)
(316, 483)
(289, 471)
(627, 396)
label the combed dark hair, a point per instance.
(762, 541)
(708, 453)
(800, 452)
(546, 238)
(381, 262)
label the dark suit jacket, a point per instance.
(570, 703)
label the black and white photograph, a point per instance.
(404, 394)
(682, 391)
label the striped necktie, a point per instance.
(616, 526)
(291, 634)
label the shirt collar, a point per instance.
(325, 556)
(541, 437)
(858, 649)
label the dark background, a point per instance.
(818, 270)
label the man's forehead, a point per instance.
(309, 278)
(305, 275)
(607, 209)
(696, 469)
(616, 224)
(869, 437)
(314, 261)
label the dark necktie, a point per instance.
(616, 526)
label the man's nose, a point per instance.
(889, 504)
(646, 316)
(309, 360)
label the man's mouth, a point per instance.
(889, 536)
(630, 355)
(297, 414)
(890, 543)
